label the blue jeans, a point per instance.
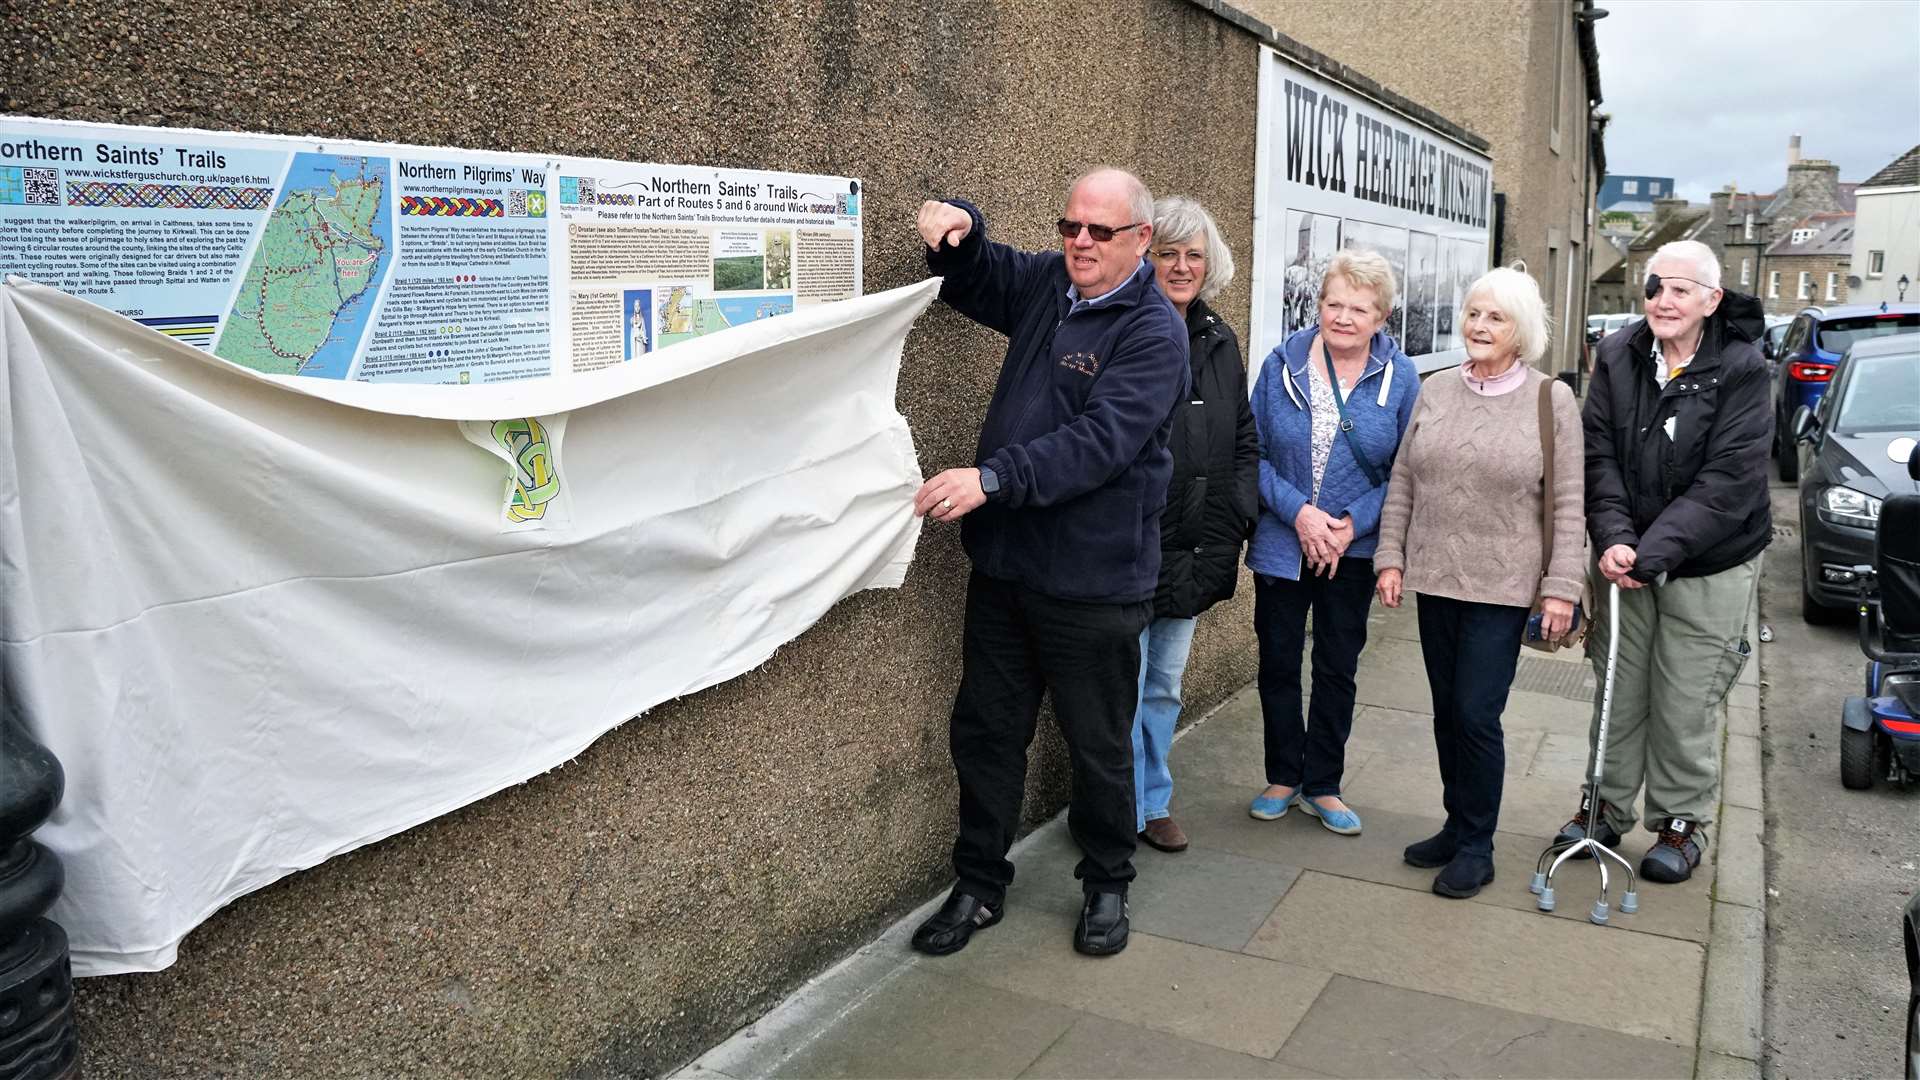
(1164, 645)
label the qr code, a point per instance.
(42, 186)
(516, 204)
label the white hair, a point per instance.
(1697, 256)
(1518, 295)
(1177, 219)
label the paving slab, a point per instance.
(1205, 896)
(930, 1025)
(1411, 782)
(1360, 1028)
(1100, 1049)
(1230, 1000)
(1640, 984)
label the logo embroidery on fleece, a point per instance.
(1083, 362)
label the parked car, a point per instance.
(1775, 333)
(1599, 326)
(1814, 341)
(1859, 437)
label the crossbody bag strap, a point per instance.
(1546, 491)
(1346, 425)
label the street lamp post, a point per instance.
(1902, 283)
(37, 1039)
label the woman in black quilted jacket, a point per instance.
(1212, 499)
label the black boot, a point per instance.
(1102, 930)
(1465, 875)
(1435, 850)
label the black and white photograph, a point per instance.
(1391, 243)
(1465, 260)
(1422, 288)
(1313, 239)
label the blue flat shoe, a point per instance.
(1268, 808)
(1344, 822)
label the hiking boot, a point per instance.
(1576, 829)
(1672, 858)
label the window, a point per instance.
(1876, 263)
(1653, 187)
(1749, 226)
(1801, 236)
(1773, 285)
(1806, 285)
(1833, 286)
(1629, 187)
(1559, 76)
(1746, 271)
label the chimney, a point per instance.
(1664, 209)
(1793, 151)
(1717, 214)
(1813, 187)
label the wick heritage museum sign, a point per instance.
(1333, 170)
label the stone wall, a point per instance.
(619, 914)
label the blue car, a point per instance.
(1814, 343)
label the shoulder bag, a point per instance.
(1532, 638)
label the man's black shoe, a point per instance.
(1672, 858)
(950, 927)
(1576, 829)
(1102, 930)
(1435, 850)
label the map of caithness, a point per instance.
(303, 305)
(682, 316)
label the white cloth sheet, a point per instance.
(266, 620)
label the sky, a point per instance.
(1708, 91)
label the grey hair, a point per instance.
(1518, 295)
(1139, 199)
(1177, 218)
(1698, 256)
(1364, 268)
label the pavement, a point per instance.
(1278, 949)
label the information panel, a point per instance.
(380, 262)
(1334, 169)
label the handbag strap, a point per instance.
(1346, 425)
(1546, 492)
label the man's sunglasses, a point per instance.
(1070, 229)
(1654, 280)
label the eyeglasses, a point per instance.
(1070, 229)
(1172, 256)
(1654, 280)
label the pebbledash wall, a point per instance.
(617, 915)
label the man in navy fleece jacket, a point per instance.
(1062, 523)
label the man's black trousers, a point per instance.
(1019, 644)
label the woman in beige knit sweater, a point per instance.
(1461, 530)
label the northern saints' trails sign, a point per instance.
(1336, 169)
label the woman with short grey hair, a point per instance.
(1211, 498)
(1464, 530)
(1331, 404)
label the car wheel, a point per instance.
(1818, 614)
(1856, 759)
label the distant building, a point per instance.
(1673, 219)
(1886, 236)
(1808, 263)
(1625, 203)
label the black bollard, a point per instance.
(37, 1039)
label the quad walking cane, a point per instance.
(1561, 850)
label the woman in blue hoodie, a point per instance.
(1331, 404)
